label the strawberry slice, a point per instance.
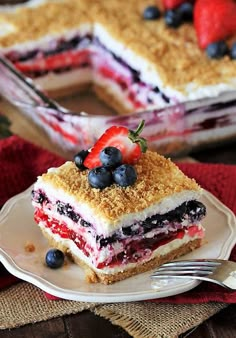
(127, 141)
(171, 4)
(57, 61)
(214, 20)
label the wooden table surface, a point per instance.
(86, 324)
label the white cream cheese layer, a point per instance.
(104, 226)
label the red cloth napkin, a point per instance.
(21, 162)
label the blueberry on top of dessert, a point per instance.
(110, 160)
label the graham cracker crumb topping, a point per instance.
(29, 247)
(158, 178)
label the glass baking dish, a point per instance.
(174, 130)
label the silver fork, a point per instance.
(218, 271)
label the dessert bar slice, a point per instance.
(117, 232)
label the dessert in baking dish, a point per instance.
(130, 214)
(132, 63)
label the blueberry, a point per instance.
(100, 177)
(177, 214)
(156, 90)
(173, 18)
(107, 240)
(84, 223)
(61, 208)
(196, 210)
(54, 258)
(186, 11)
(79, 159)
(127, 231)
(217, 50)
(111, 157)
(151, 13)
(165, 98)
(233, 51)
(125, 175)
(67, 210)
(38, 196)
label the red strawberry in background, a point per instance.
(127, 141)
(171, 4)
(214, 20)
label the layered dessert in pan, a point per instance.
(133, 64)
(124, 228)
(141, 64)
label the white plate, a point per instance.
(17, 228)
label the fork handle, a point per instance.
(230, 281)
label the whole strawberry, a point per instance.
(130, 144)
(214, 20)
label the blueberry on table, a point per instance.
(54, 258)
(217, 50)
(173, 18)
(79, 159)
(125, 175)
(100, 177)
(111, 157)
(151, 13)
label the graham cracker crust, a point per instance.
(68, 91)
(111, 99)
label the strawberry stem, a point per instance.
(139, 128)
(135, 138)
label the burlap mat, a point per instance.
(24, 303)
